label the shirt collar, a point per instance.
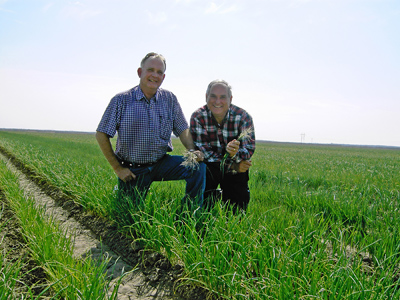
(139, 95)
(210, 115)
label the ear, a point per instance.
(139, 72)
(206, 97)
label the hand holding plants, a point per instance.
(191, 159)
(242, 166)
(233, 147)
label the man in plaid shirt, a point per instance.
(144, 117)
(215, 128)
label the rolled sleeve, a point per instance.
(109, 123)
(180, 123)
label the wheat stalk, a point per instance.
(244, 135)
(190, 160)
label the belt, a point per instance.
(129, 164)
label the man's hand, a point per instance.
(241, 167)
(233, 147)
(105, 145)
(125, 174)
(199, 154)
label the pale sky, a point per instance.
(324, 70)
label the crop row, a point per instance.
(48, 269)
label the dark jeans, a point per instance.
(167, 168)
(235, 189)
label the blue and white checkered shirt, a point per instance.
(144, 127)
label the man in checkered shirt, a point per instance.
(215, 128)
(144, 118)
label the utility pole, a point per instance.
(303, 137)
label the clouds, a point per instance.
(185, 1)
(298, 66)
(6, 10)
(214, 8)
(190, 7)
(2, 2)
(156, 18)
(47, 7)
(80, 10)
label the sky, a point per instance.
(312, 71)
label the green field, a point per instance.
(323, 221)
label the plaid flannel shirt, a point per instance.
(144, 126)
(212, 138)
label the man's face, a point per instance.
(218, 101)
(151, 75)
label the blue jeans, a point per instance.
(167, 168)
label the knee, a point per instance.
(200, 171)
(202, 168)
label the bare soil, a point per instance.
(151, 275)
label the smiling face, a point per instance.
(151, 76)
(219, 101)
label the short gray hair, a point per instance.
(155, 55)
(219, 81)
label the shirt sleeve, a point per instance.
(180, 123)
(110, 121)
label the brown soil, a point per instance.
(151, 275)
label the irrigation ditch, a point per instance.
(145, 274)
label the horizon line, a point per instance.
(260, 141)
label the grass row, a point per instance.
(323, 221)
(68, 277)
(16, 268)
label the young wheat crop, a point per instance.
(322, 220)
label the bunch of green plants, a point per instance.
(12, 272)
(322, 223)
(69, 277)
(71, 162)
